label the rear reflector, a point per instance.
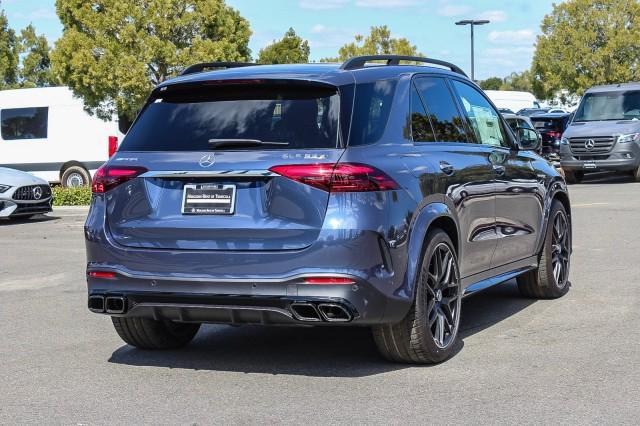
(328, 280)
(342, 177)
(102, 274)
(108, 177)
(113, 145)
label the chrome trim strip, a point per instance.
(208, 173)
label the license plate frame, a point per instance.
(208, 199)
(589, 165)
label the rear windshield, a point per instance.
(555, 124)
(187, 120)
(609, 106)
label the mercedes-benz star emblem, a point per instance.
(590, 144)
(207, 160)
(37, 192)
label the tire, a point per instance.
(75, 176)
(412, 339)
(543, 282)
(146, 333)
(571, 176)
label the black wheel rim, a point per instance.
(443, 296)
(560, 241)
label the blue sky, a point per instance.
(503, 46)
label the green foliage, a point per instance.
(290, 49)
(35, 70)
(492, 83)
(113, 52)
(80, 196)
(8, 54)
(514, 81)
(585, 43)
(378, 42)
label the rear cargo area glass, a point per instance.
(186, 120)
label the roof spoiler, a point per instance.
(360, 62)
(196, 68)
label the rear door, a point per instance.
(464, 167)
(206, 154)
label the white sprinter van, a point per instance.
(46, 132)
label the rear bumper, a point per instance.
(276, 302)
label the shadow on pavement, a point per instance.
(313, 351)
(21, 220)
(607, 177)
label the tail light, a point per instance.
(102, 274)
(108, 177)
(555, 135)
(113, 145)
(342, 177)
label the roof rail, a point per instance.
(195, 68)
(360, 61)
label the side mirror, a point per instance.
(528, 139)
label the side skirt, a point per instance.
(498, 275)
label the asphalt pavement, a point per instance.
(570, 361)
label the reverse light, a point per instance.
(329, 280)
(108, 177)
(113, 145)
(632, 137)
(102, 274)
(342, 177)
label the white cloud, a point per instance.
(330, 37)
(322, 4)
(386, 3)
(518, 37)
(37, 14)
(494, 15)
(451, 10)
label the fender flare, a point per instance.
(556, 189)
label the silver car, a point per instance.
(23, 195)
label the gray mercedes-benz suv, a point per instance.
(372, 193)
(604, 133)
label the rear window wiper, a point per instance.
(219, 143)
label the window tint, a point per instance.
(24, 123)
(186, 120)
(421, 130)
(371, 111)
(447, 123)
(484, 120)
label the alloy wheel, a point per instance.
(560, 241)
(443, 296)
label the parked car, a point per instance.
(557, 111)
(321, 194)
(551, 127)
(604, 133)
(45, 131)
(512, 99)
(505, 111)
(23, 195)
(521, 125)
(529, 112)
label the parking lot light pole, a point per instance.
(472, 23)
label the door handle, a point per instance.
(500, 170)
(446, 168)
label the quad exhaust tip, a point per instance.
(107, 304)
(305, 312)
(96, 304)
(334, 313)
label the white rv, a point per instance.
(46, 132)
(515, 101)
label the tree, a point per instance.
(518, 81)
(35, 67)
(378, 42)
(290, 49)
(492, 83)
(8, 54)
(587, 42)
(113, 52)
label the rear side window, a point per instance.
(24, 123)
(186, 119)
(371, 111)
(448, 124)
(421, 130)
